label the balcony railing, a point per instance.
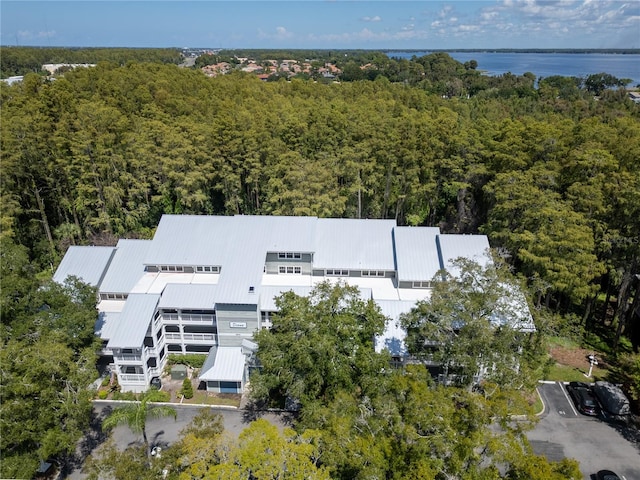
(132, 378)
(199, 337)
(128, 358)
(197, 318)
(191, 337)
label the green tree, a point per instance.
(135, 415)
(318, 345)
(264, 453)
(473, 325)
(187, 388)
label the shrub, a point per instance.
(193, 360)
(103, 394)
(187, 388)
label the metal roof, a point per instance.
(354, 244)
(228, 365)
(190, 240)
(188, 296)
(268, 295)
(416, 253)
(473, 247)
(106, 324)
(126, 267)
(134, 321)
(87, 263)
(394, 335)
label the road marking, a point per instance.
(568, 399)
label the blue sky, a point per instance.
(381, 24)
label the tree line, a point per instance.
(551, 177)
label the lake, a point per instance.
(547, 64)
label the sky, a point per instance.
(323, 24)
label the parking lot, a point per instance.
(598, 443)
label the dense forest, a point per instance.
(550, 174)
(548, 171)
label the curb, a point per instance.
(170, 404)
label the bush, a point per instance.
(187, 388)
(124, 396)
(103, 394)
(193, 360)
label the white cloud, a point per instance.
(28, 34)
(281, 33)
(372, 19)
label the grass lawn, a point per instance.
(568, 373)
(206, 398)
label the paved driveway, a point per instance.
(598, 443)
(160, 431)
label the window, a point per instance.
(207, 269)
(421, 284)
(373, 273)
(292, 269)
(171, 268)
(336, 273)
(289, 255)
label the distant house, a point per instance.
(205, 284)
(634, 96)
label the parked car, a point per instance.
(607, 475)
(612, 399)
(583, 398)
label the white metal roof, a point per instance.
(134, 321)
(394, 335)
(188, 296)
(190, 240)
(127, 266)
(473, 247)
(416, 253)
(228, 365)
(106, 324)
(87, 263)
(354, 244)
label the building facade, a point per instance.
(205, 284)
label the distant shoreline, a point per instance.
(612, 51)
(621, 51)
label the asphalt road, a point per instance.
(598, 443)
(161, 431)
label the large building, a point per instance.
(205, 284)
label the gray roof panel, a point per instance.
(227, 367)
(472, 247)
(192, 296)
(354, 244)
(134, 321)
(127, 266)
(87, 263)
(416, 253)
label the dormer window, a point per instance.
(171, 268)
(207, 269)
(289, 255)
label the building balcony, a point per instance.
(127, 358)
(196, 318)
(129, 378)
(199, 337)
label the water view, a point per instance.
(547, 64)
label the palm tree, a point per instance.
(135, 415)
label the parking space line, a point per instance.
(568, 399)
